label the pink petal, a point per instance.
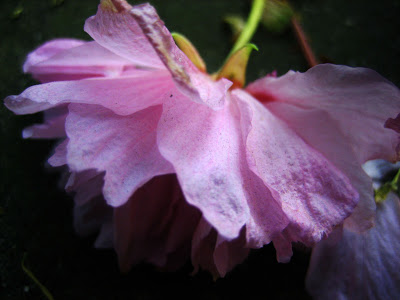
(86, 60)
(228, 254)
(124, 147)
(117, 31)
(317, 128)
(53, 127)
(91, 213)
(195, 84)
(267, 218)
(358, 100)
(212, 252)
(154, 224)
(59, 158)
(90, 216)
(48, 50)
(204, 146)
(360, 266)
(86, 185)
(105, 237)
(203, 246)
(315, 196)
(123, 95)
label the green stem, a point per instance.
(251, 25)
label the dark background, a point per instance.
(35, 213)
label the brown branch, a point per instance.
(303, 41)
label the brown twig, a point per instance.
(303, 41)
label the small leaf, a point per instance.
(384, 190)
(234, 68)
(191, 52)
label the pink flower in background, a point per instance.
(279, 161)
(348, 265)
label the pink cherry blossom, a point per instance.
(169, 163)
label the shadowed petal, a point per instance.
(154, 224)
(59, 157)
(53, 126)
(360, 266)
(86, 185)
(124, 147)
(212, 252)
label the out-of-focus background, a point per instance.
(36, 214)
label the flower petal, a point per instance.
(48, 50)
(145, 226)
(315, 196)
(204, 145)
(360, 266)
(53, 126)
(203, 246)
(267, 218)
(228, 254)
(212, 252)
(91, 216)
(195, 84)
(86, 185)
(86, 60)
(124, 147)
(114, 28)
(359, 100)
(123, 95)
(59, 158)
(317, 128)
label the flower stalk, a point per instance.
(250, 27)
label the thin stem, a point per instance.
(251, 25)
(303, 41)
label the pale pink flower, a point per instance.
(349, 265)
(279, 161)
